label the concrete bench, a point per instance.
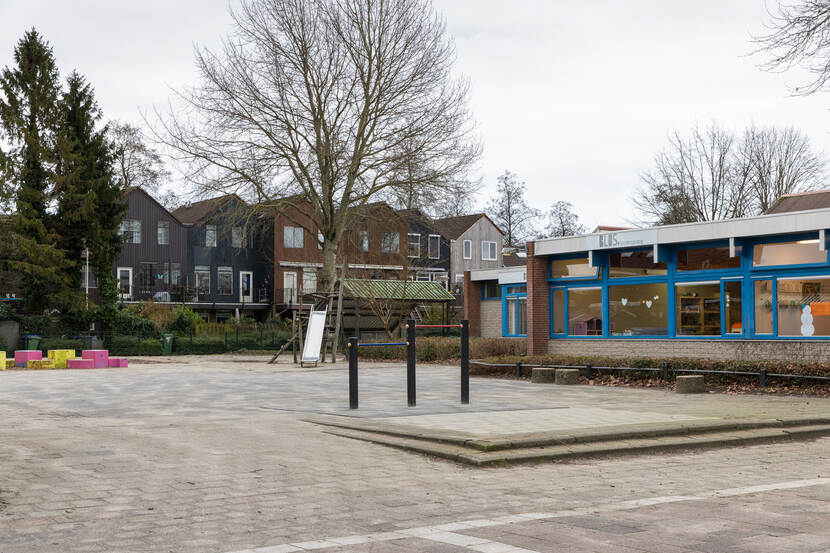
(690, 384)
(567, 376)
(542, 376)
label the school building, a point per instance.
(752, 288)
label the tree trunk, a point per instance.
(329, 276)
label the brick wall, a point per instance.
(720, 350)
(491, 319)
(538, 309)
(472, 304)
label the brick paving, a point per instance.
(211, 456)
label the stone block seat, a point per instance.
(690, 384)
(99, 357)
(60, 356)
(116, 362)
(80, 364)
(23, 356)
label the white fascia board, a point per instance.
(762, 225)
(485, 274)
(514, 276)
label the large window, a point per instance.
(516, 315)
(434, 246)
(804, 307)
(732, 307)
(701, 259)
(573, 268)
(585, 312)
(172, 273)
(146, 276)
(210, 236)
(224, 281)
(292, 237)
(638, 310)
(125, 282)
(634, 263)
(413, 245)
(236, 237)
(698, 308)
(202, 274)
(800, 252)
(763, 306)
(558, 312)
(163, 233)
(390, 242)
(468, 249)
(309, 280)
(488, 251)
(130, 231)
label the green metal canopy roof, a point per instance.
(407, 290)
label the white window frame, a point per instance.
(363, 238)
(250, 297)
(210, 236)
(293, 232)
(467, 249)
(202, 269)
(383, 244)
(429, 246)
(224, 270)
(133, 227)
(485, 244)
(409, 243)
(159, 226)
(118, 274)
(306, 285)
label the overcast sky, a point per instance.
(575, 97)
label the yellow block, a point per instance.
(3, 361)
(42, 364)
(9, 364)
(59, 356)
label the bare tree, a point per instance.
(562, 221)
(779, 162)
(136, 163)
(320, 104)
(695, 178)
(510, 210)
(799, 36)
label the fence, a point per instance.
(665, 371)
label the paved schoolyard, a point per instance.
(211, 455)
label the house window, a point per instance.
(309, 281)
(146, 276)
(364, 240)
(559, 311)
(733, 313)
(202, 273)
(320, 240)
(763, 306)
(434, 246)
(516, 307)
(125, 281)
(292, 237)
(130, 231)
(701, 259)
(638, 310)
(634, 263)
(573, 268)
(391, 242)
(801, 252)
(210, 236)
(698, 308)
(88, 279)
(488, 251)
(236, 237)
(804, 307)
(491, 290)
(585, 312)
(163, 233)
(173, 273)
(224, 281)
(413, 245)
(468, 249)
(459, 277)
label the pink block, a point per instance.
(23, 356)
(80, 364)
(99, 357)
(116, 362)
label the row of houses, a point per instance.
(223, 257)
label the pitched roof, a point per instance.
(453, 227)
(132, 189)
(407, 290)
(417, 216)
(196, 211)
(801, 201)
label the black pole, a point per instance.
(589, 371)
(352, 373)
(465, 361)
(518, 369)
(762, 378)
(665, 368)
(410, 362)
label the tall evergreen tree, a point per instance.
(28, 117)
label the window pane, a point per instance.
(804, 307)
(585, 312)
(634, 263)
(572, 268)
(202, 273)
(364, 240)
(468, 249)
(224, 281)
(638, 310)
(517, 289)
(172, 272)
(763, 307)
(788, 253)
(292, 237)
(700, 259)
(210, 236)
(390, 242)
(236, 237)
(124, 278)
(163, 233)
(434, 247)
(511, 316)
(559, 312)
(488, 251)
(522, 315)
(146, 276)
(309, 281)
(732, 306)
(698, 309)
(413, 245)
(492, 289)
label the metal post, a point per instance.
(518, 369)
(410, 362)
(665, 370)
(352, 373)
(589, 371)
(465, 361)
(762, 378)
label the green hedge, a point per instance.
(62, 343)
(199, 345)
(433, 349)
(131, 345)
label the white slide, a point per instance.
(313, 337)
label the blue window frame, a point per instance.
(491, 290)
(514, 310)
